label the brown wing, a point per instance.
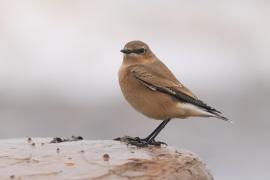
(157, 82)
(164, 79)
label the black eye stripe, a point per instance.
(139, 51)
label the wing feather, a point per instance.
(156, 82)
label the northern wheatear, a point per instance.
(152, 89)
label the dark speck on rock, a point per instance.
(56, 140)
(60, 140)
(11, 176)
(106, 157)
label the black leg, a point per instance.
(156, 130)
(153, 135)
(149, 140)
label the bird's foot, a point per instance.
(136, 141)
(157, 143)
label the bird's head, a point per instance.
(137, 51)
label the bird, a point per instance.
(152, 89)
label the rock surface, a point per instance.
(37, 158)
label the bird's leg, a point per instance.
(157, 130)
(151, 138)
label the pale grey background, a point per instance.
(59, 63)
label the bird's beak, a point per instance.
(125, 51)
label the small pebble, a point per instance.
(42, 144)
(76, 138)
(29, 140)
(33, 144)
(56, 140)
(12, 176)
(106, 157)
(58, 150)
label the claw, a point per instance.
(136, 141)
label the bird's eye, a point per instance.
(140, 51)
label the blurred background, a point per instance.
(59, 62)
